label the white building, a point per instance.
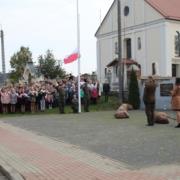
(150, 37)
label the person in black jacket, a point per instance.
(106, 90)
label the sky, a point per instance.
(52, 24)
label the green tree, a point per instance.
(48, 67)
(18, 62)
(134, 96)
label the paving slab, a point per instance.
(35, 151)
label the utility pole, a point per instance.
(79, 61)
(2, 52)
(120, 70)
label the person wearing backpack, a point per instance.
(94, 94)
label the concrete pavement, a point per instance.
(33, 155)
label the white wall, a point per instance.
(140, 13)
(156, 33)
(106, 51)
(109, 24)
(153, 48)
(174, 26)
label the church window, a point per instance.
(126, 11)
(105, 72)
(139, 43)
(116, 47)
(153, 68)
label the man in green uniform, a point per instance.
(61, 91)
(149, 99)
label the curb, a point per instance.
(9, 172)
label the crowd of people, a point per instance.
(43, 95)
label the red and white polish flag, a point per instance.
(72, 57)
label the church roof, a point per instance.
(168, 8)
(123, 61)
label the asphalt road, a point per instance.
(127, 140)
(3, 178)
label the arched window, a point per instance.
(105, 71)
(139, 43)
(116, 71)
(126, 11)
(153, 68)
(116, 48)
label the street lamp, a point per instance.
(121, 69)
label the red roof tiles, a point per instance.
(170, 9)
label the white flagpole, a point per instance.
(78, 47)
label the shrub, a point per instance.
(133, 96)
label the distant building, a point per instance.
(150, 40)
(31, 73)
(92, 76)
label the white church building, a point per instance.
(150, 33)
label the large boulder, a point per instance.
(121, 114)
(161, 118)
(125, 106)
(122, 111)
